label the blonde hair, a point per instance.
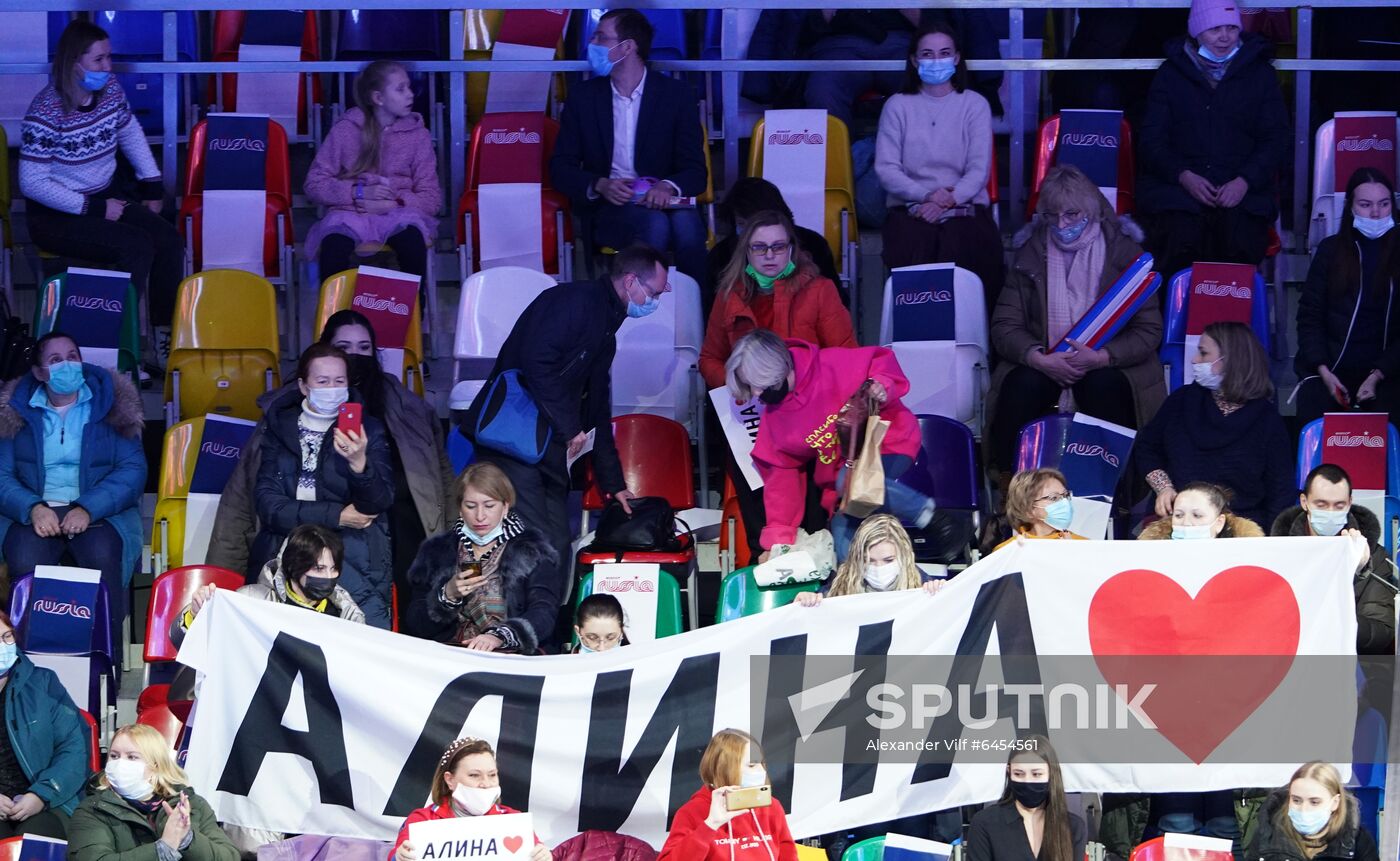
(735, 280)
(451, 758)
(1326, 774)
(1021, 495)
(1067, 187)
(722, 764)
(155, 750)
(487, 478)
(760, 360)
(850, 577)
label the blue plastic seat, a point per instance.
(945, 470)
(139, 37)
(1310, 456)
(1174, 328)
(1042, 442)
(390, 34)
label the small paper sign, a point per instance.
(35, 847)
(507, 836)
(62, 607)
(740, 423)
(634, 585)
(1194, 847)
(899, 847)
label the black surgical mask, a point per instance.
(774, 396)
(1030, 794)
(317, 588)
(368, 379)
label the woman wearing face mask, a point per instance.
(1349, 312)
(67, 165)
(770, 283)
(491, 583)
(1067, 258)
(1313, 817)
(932, 155)
(466, 784)
(1039, 505)
(142, 806)
(1211, 144)
(705, 829)
(1032, 819)
(1201, 510)
(881, 560)
(43, 746)
(311, 471)
(1223, 428)
(598, 623)
(72, 469)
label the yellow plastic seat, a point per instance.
(479, 29)
(224, 346)
(338, 291)
(178, 455)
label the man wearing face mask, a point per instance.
(563, 347)
(630, 142)
(1325, 508)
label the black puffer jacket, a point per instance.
(1332, 330)
(1237, 128)
(1270, 843)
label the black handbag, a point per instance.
(650, 526)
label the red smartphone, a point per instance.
(351, 418)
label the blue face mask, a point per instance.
(9, 653)
(1327, 522)
(1373, 228)
(1207, 55)
(598, 59)
(937, 71)
(584, 650)
(1059, 514)
(1067, 235)
(483, 540)
(65, 378)
(1191, 532)
(94, 81)
(1309, 821)
(636, 310)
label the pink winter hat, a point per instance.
(1206, 14)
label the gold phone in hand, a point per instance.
(749, 798)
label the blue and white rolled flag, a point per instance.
(1115, 307)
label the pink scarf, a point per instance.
(1072, 274)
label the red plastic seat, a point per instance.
(94, 744)
(655, 456)
(228, 36)
(9, 848)
(1151, 850)
(1047, 143)
(170, 594)
(165, 721)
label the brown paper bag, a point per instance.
(865, 485)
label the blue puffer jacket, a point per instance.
(49, 737)
(111, 474)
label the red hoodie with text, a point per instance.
(760, 834)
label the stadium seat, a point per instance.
(668, 603)
(179, 453)
(1047, 143)
(338, 291)
(171, 592)
(1042, 442)
(869, 849)
(48, 316)
(7, 236)
(223, 347)
(491, 303)
(268, 27)
(1172, 353)
(945, 470)
(1310, 456)
(1149, 850)
(740, 595)
(668, 41)
(139, 37)
(971, 375)
(656, 368)
(101, 652)
(810, 853)
(734, 550)
(840, 229)
(9, 848)
(1327, 205)
(398, 34)
(94, 742)
(164, 721)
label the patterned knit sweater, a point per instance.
(65, 156)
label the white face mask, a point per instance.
(128, 778)
(1205, 377)
(881, 577)
(327, 401)
(753, 775)
(475, 800)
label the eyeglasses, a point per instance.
(1070, 216)
(1053, 498)
(8, 638)
(601, 38)
(593, 641)
(758, 249)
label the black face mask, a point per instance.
(368, 379)
(774, 396)
(1030, 795)
(317, 588)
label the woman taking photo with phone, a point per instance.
(733, 815)
(1032, 819)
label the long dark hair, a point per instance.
(77, 37)
(370, 381)
(912, 84)
(1056, 844)
(1346, 263)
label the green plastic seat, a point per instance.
(48, 315)
(668, 604)
(740, 596)
(869, 849)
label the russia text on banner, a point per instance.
(1217, 293)
(1095, 457)
(388, 299)
(235, 191)
(92, 310)
(794, 159)
(1089, 140)
(1359, 444)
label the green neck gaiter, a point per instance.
(765, 283)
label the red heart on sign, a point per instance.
(1214, 659)
(513, 844)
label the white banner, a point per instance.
(740, 424)
(794, 159)
(509, 216)
(312, 725)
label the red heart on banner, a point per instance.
(513, 844)
(1213, 658)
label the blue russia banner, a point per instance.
(219, 449)
(235, 156)
(1115, 307)
(922, 306)
(35, 847)
(91, 307)
(62, 610)
(1089, 140)
(899, 847)
(1095, 455)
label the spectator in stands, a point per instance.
(770, 283)
(490, 583)
(598, 623)
(43, 748)
(67, 163)
(1039, 505)
(72, 469)
(881, 560)
(1201, 510)
(1325, 508)
(629, 143)
(348, 490)
(1347, 309)
(423, 476)
(705, 829)
(1033, 814)
(377, 175)
(933, 155)
(1223, 428)
(1213, 140)
(563, 345)
(856, 34)
(747, 197)
(465, 783)
(1068, 258)
(144, 799)
(1313, 818)
(809, 393)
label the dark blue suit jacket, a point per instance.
(669, 145)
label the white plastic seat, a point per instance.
(655, 371)
(492, 300)
(1327, 204)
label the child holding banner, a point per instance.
(1348, 319)
(881, 560)
(377, 173)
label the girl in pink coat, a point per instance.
(803, 388)
(377, 176)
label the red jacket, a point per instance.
(604, 846)
(806, 306)
(441, 811)
(760, 834)
(803, 428)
